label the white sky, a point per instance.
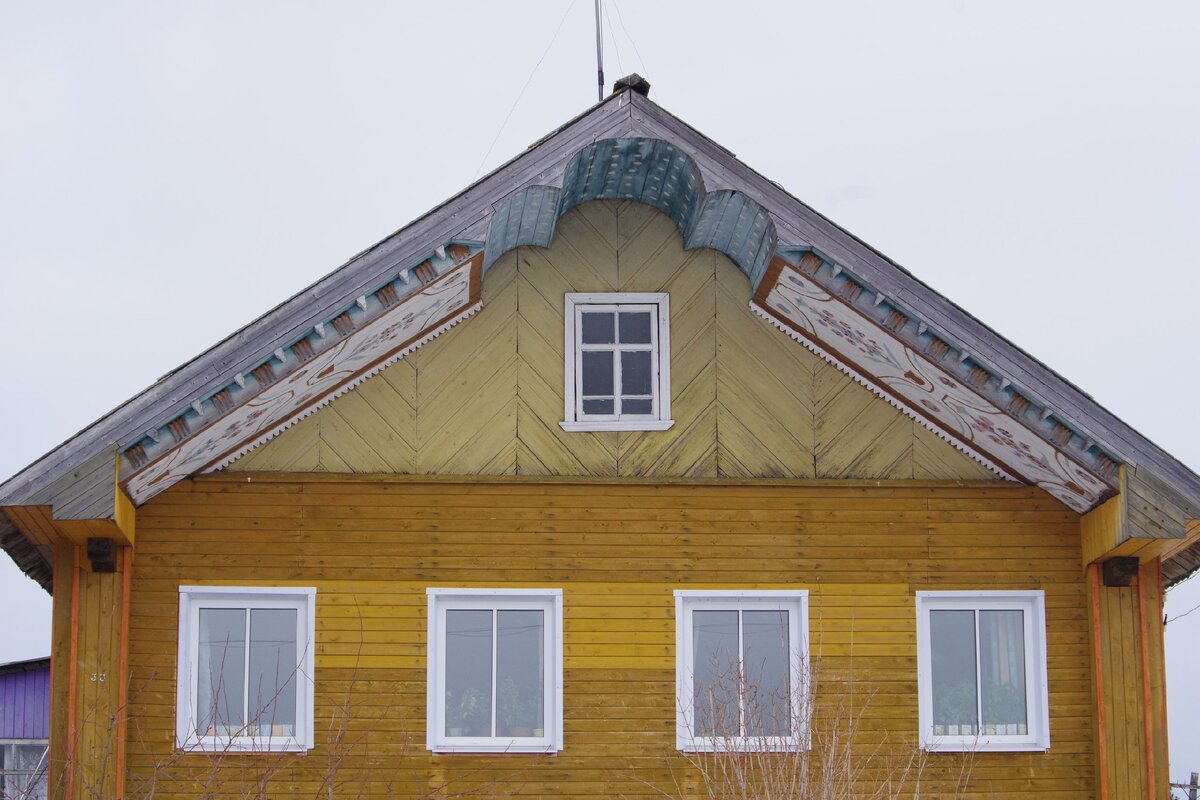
(170, 171)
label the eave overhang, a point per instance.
(829, 291)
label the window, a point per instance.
(23, 769)
(245, 674)
(741, 670)
(981, 666)
(617, 375)
(495, 670)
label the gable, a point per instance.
(486, 397)
(993, 400)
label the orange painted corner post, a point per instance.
(1151, 601)
(1096, 631)
(62, 670)
(1147, 701)
(126, 561)
(90, 675)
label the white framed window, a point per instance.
(618, 371)
(245, 669)
(495, 680)
(981, 669)
(741, 670)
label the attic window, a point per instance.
(617, 372)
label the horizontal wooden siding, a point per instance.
(618, 550)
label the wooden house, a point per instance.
(620, 459)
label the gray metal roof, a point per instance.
(76, 477)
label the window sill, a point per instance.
(573, 426)
(753, 745)
(974, 745)
(241, 748)
(500, 747)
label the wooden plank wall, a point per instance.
(371, 546)
(85, 677)
(1133, 675)
(486, 397)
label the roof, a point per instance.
(28, 665)
(827, 289)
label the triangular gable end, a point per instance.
(818, 284)
(486, 397)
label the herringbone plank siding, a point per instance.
(487, 396)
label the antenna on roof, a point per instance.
(599, 56)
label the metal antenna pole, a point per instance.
(599, 56)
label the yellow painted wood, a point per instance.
(35, 522)
(1125, 655)
(372, 545)
(1102, 529)
(83, 748)
(1150, 581)
(486, 397)
(125, 516)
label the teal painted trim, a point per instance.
(162, 439)
(642, 170)
(526, 218)
(998, 389)
(739, 227)
(648, 171)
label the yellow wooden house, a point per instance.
(621, 473)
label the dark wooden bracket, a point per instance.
(102, 552)
(1119, 570)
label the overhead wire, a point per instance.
(612, 37)
(521, 94)
(625, 30)
(1167, 621)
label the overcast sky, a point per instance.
(169, 171)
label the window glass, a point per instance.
(271, 699)
(635, 373)
(636, 327)
(715, 667)
(955, 691)
(245, 668)
(765, 651)
(220, 700)
(740, 679)
(468, 699)
(23, 771)
(598, 373)
(598, 327)
(492, 684)
(982, 670)
(616, 371)
(520, 673)
(1002, 672)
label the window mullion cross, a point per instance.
(495, 728)
(617, 389)
(246, 680)
(741, 675)
(977, 613)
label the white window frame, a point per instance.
(17, 783)
(1033, 604)
(548, 600)
(194, 598)
(573, 417)
(794, 601)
